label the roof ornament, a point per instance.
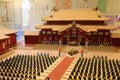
(96, 8)
(73, 23)
(98, 11)
(53, 10)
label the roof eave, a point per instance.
(74, 20)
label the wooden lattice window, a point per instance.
(43, 32)
(100, 33)
(106, 33)
(48, 32)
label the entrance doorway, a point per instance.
(73, 40)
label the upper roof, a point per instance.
(77, 15)
(86, 28)
(30, 33)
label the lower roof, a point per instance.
(30, 33)
(3, 37)
(5, 31)
(87, 28)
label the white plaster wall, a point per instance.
(10, 11)
(38, 10)
(0, 21)
(113, 7)
(90, 3)
(10, 18)
(18, 11)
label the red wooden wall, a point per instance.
(100, 39)
(12, 40)
(3, 45)
(32, 39)
(116, 41)
(8, 43)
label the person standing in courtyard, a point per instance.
(86, 45)
(82, 51)
(60, 42)
(59, 49)
(47, 78)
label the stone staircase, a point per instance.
(68, 48)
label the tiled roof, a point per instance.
(3, 37)
(30, 33)
(68, 15)
(4, 31)
(86, 28)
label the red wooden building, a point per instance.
(7, 39)
(116, 37)
(31, 37)
(75, 27)
(3, 43)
